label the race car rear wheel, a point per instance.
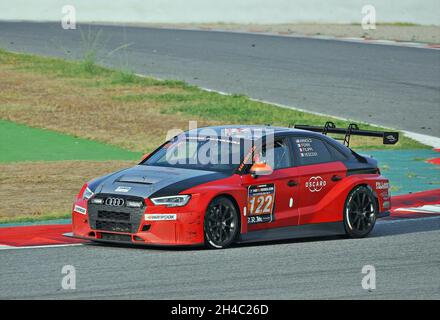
(221, 223)
(360, 212)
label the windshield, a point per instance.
(200, 153)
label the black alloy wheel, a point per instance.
(360, 212)
(221, 223)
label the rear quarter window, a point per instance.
(312, 151)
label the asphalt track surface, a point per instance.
(405, 253)
(393, 86)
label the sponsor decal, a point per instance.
(315, 184)
(260, 203)
(160, 217)
(122, 189)
(80, 209)
(382, 185)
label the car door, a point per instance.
(270, 198)
(319, 172)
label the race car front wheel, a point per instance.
(360, 212)
(221, 223)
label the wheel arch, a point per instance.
(376, 197)
(234, 202)
(362, 184)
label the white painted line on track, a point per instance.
(422, 209)
(2, 247)
(423, 138)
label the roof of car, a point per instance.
(247, 132)
(238, 130)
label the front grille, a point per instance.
(105, 217)
(112, 215)
(113, 226)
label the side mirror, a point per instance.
(260, 169)
(145, 156)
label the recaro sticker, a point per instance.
(260, 203)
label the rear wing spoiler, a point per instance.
(388, 137)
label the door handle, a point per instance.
(292, 183)
(336, 178)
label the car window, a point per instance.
(311, 151)
(277, 156)
(198, 153)
(336, 154)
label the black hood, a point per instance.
(145, 181)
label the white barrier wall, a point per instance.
(238, 11)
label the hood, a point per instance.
(145, 181)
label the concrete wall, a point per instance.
(239, 11)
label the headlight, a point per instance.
(172, 201)
(87, 194)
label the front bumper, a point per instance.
(123, 242)
(185, 229)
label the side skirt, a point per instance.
(294, 232)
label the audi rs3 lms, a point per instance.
(216, 186)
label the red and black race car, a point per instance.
(220, 185)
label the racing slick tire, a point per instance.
(360, 212)
(221, 224)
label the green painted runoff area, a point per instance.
(22, 143)
(408, 170)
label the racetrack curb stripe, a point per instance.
(416, 205)
(46, 235)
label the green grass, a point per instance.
(399, 24)
(35, 218)
(165, 97)
(23, 143)
(85, 69)
(393, 24)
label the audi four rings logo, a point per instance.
(315, 184)
(115, 202)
